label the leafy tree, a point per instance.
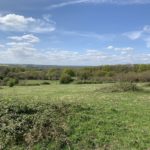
(54, 74)
(70, 72)
(65, 79)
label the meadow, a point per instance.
(74, 117)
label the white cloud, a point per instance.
(146, 29)
(110, 47)
(23, 51)
(58, 5)
(2, 46)
(118, 2)
(18, 44)
(121, 49)
(13, 22)
(27, 37)
(127, 49)
(30, 55)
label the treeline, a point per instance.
(107, 73)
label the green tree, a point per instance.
(65, 79)
(69, 71)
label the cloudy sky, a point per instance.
(74, 32)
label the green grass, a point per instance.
(74, 117)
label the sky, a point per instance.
(75, 32)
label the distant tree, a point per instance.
(70, 72)
(54, 74)
(65, 79)
(143, 67)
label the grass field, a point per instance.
(74, 117)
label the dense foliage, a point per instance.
(108, 73)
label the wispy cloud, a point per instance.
(143, 34)
(133, 35)
(88, 35)
(63, 4)
(83, 34)
(117, 2)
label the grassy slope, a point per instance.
(96, 120)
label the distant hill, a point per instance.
(40, 66)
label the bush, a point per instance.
(30, 84)
(145, 76)
(30, 127)
(125, 86)
(45, 83)
(121, 87)
(65, 79)
(10, 83)
(16, 81)
(147, 85)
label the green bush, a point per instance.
(10, 83)
(65, 79)
(147, 85)
(126, 86)
(45, 83)
(121, 87)
(30, 84)
(16, 81)
(23, 125)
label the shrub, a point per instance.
(121, 87)
(45, 83)
(125, 86)
(147, 84)
(34, 124)
(10, 83)
(29, 84)
(145, 76)
(65, 79)
(16, 81)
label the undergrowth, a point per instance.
(121, 87)
(28, 125)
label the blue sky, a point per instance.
(75, 32)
